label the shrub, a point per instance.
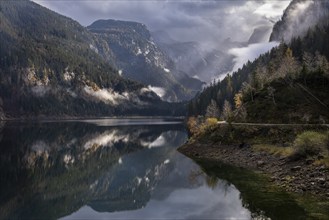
(310, 143)
(192, 125)
(211, 122)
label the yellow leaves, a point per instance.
(93, 85)
(238, 100)
(211, 121)
(192, 125)
(288, 53)
(198, 126)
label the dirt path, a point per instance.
(273, 125)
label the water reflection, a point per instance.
(97, 169)
(50, 170)
(182, 194)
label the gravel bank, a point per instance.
(301, 176)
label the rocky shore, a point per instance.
(302, 176)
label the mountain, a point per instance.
(139, 58)
(193, 59)
(299, 17)
(51, 65)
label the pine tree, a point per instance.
(212, 110)
(227, 111)
(270, 91)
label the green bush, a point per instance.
(310, 143)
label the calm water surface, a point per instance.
(122, 169)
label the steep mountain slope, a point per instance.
(139, 58)
(50, 66)
(299, 16)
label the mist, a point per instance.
(250, 53)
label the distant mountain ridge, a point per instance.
(139, 58)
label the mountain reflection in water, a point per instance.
(100, 169)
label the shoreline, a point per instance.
(302, 177)
(78, 118)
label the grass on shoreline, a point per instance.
(273, 149)
(296, 143)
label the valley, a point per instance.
(166, 109)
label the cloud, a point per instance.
(272, 10)
(182, 203)
(302, 15)
(40, 90)
(159, 142)
(161, 92)
(184, 20)
(106, 95)
(108, 138)
(250, 53)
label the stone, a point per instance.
(282, 158)
(309, 161)
(322, 168)
(260, 163)
(296, 168)
(273, 178)
(321, 180)
(320, 157)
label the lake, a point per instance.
(124, 169)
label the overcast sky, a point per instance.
(185, 20)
